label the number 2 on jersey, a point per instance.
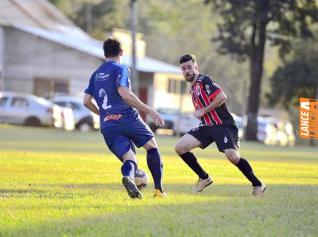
(102, 93)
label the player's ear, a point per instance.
(121, 53)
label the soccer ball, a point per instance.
(141, 179)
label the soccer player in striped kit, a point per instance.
(217, 125)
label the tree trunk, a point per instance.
(258, 39)
(134, 72)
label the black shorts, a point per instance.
(225, 136)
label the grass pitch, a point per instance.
(55, 183)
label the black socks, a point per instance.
(192, 162)
(246, 169)
(243, 166)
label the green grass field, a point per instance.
(55, 183)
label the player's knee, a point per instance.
(180, 149)
(232, 156)
(151, 144)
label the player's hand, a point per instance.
(199, 113)
(156, 118)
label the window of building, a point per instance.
(177, 86)
(49, 87)
(172, 86)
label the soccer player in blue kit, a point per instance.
(121, 125)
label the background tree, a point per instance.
(173, 28)
(246, 26)
(297, 77)
(170, 28)
(96, 17)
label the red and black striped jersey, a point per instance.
(203, 91)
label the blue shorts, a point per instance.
(120, 139)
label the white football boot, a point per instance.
(202, 184)
(259, 190)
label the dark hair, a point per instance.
(112, 47)
(187, 57)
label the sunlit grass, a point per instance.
(54, 183)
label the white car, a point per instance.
(170, 117)
(267, 130)
(240, 123)
(272, 131)
(64, 118)
(30, 110)
(185, 123)
(84, 119)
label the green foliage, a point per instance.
(171, 29)
(67, 184)
(285, 20)
(97, 17)
(248, 25)
(298, 77)
(174, 28)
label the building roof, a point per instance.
(94, 47)
(42, 19)
(38, 14)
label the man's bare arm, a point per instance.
(130, 98)
(218, 100)
(87, 101)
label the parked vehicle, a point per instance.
(272, 131)
(84, 119)
(285, 134)
(185, 123)
(67, 118)
(30, 110)
(240, 123)
(170, 117)
(266, 130)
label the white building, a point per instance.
(42, 52)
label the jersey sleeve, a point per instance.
(211, 88)
(122, 77)
(90, 88)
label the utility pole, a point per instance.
(1, 59)
(133, 26)
(88, 17)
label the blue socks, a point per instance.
(128, 168)
(155, 166)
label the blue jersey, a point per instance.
(103, 87)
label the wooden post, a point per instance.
(133, 25)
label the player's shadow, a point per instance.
(20, 192)
(71, 191)
(62, 191)
(279, 199)
(175, 189)
(92, 186)
(169, 188)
